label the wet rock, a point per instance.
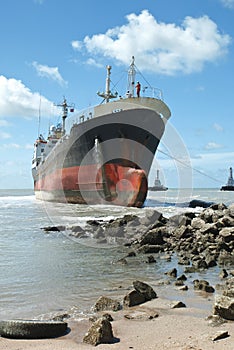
(99, 333)
(99, 233)
(122, 261)
(172, 273)
(131, 254)
(200, 264)
(177, 304)
(152, 237)
(203, 285)
(183, 261)
(183, 288)
(133, 298)
(150, 259)
(183, 232)
(189, 269)
(224, 307)
(199, 203)
(182, 278)
(179, 283)
(182, 219)
(54, 228)
(150, 249)
(105, 303)
(95, 222)
(151, 217)
(145, 289)
(223, 273)
(227, 234)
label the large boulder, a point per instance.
(145, 289)
(152, 237)
(224, 307)
(142, 292)
(227, 234)
(133, 298)
(99, 333)
(105, 303)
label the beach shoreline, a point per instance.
(179, 328)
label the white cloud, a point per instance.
(161, 47)
(228, 3)
(217, 127)
(4, 135)
(92, 62)
(18, 100)
(49, 72)
(77, 45)
(213, 145)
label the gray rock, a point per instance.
(172, 273)
(220, 335)
(150, 249)
(224, 307)
(133, 298)
(177, 304)
(203, 285)
(227, 234)
(152, 237)
(145, 289)
(100, 332)
(105, 303)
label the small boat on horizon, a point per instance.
(157, 184)
(230, 183)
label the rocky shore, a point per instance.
(201, 242)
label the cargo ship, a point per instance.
(103, 154)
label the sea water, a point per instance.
(44, 274)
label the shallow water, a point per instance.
(49, 273)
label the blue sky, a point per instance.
(51, 49)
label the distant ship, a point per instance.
(230, 184)
(157, 184)
(105, 154)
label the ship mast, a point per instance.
(65, 107)
(107, 95)
(131, 77)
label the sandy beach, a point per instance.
(152, 325)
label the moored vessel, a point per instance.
(102, 154)
(158, 186)
(230, 183)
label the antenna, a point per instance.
(65, 107)
(39, 116)
(107, 95)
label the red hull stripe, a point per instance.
(123, 185)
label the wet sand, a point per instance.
(180, 328)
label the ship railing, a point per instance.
(79, 118)
(149, 91)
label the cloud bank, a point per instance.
(164, 48)
(18, 100)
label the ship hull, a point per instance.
(104, 160)
(227, 188)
